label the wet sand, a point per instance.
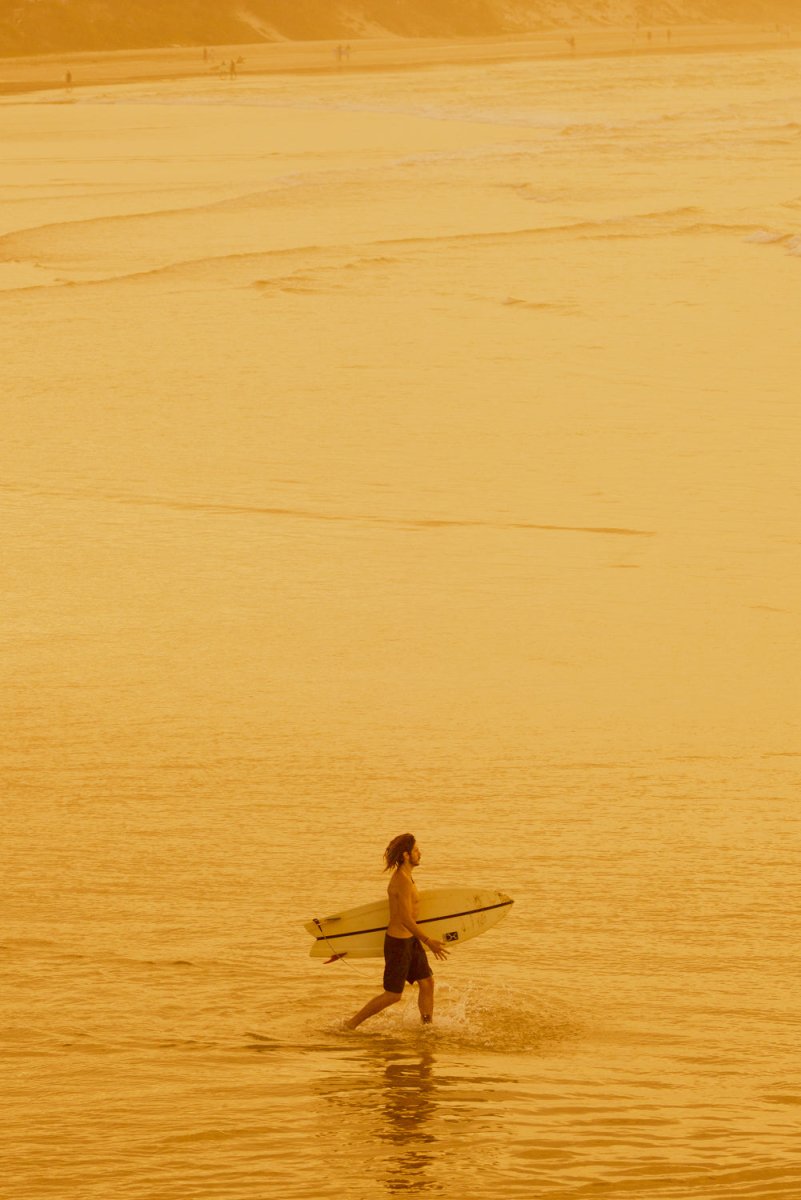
(132, 66)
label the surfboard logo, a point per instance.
(453, 936)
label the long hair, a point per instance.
(393, 855)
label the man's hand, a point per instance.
(437, 948)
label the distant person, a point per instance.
(205, 54)
(405, 959)
(232, 69)
(571, 41)
(347, 53)
(68, 81)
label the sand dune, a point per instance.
(56, 26)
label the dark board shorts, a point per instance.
(404, 962)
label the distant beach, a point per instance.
(93, 69)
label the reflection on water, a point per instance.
(408, 1107)
(400, 1100)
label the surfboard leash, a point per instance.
(336, 955)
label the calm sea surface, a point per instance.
(403, 451)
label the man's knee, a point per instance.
(426, 986)
(393, 997)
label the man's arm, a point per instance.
(406, 917)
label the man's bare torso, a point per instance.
(403, 900)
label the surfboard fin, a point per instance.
(334, 958)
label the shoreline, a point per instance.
(42, 73)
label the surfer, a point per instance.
(405, 960)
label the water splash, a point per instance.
(489, 1017)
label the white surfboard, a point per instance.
(451, 915)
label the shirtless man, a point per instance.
(405, 959)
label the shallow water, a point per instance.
(410, 450)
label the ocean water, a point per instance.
(403, 450)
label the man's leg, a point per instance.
(376, 1005)
(425, 999)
